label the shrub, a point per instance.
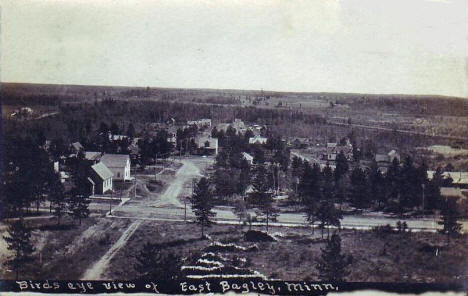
(258, 236)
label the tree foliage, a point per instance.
(449, 220)
(333, 265)
(19, 242)
(202, 204)
(153, 263)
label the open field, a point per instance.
(411, 257)
(66, 252)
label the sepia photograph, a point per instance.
(262, 147)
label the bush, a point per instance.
(383, 230)
(258, 236)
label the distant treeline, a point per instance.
(426, 105)
(33, 100)
(75, 121)
(21, 94)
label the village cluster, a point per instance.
(172, 172)
(104, 168)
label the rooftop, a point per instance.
(457, 177)
(115, 160)
(102, 171)
(92, 155)
(77, 145)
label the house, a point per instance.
(133, 147)
(93, 156)
(392, 155)
(170, 121)
(63, 176)
(117, 137)
(119, 164)
(385, 160)
(459, 179)
(248, 157)
(257, 129)
(172, 135)
(205, 122)
(333, 149)
(381, 158)
(222, 127)
(457, 194)
(208, 144)
(239, 125)
(100, 178)
(258, 140)
(299, 143)
(76, 147)
(22, 112)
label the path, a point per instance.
(168, 198)
(184, 174)
(96, 271)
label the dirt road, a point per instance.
(96, 271)
(170, 197)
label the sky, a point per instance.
(359, 46)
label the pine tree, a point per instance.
(78, 195)
(78, 206)
(449, 220)
(328, 215)
(202, 204)
(328, 188)
(57, 197)
(309, 183)
(19, 242)
(267, 208)
(376, 181)
(409, 184)
(392, 180)
(310, 209)
(359, 188)
(153, 263)
(332, 265)
(432, 191)
(244, 177)
(342, 166)
(296, 167)
(131, 130)
(240, 210)
(260, 182)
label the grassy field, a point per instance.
(66, 252)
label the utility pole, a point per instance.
(185, 209)
(278, 178)
(193, 181)
(423, 185)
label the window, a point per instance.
(118, 175)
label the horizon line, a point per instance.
(237, 89)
